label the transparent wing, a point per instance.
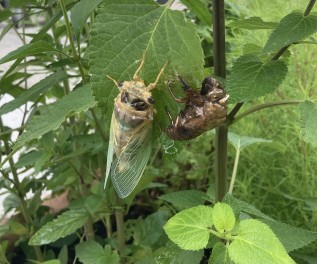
(127, 169)
(113, 128)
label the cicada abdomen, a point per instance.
(203, 111)
(130, 141)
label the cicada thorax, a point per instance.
(133, 110)
(204, 110)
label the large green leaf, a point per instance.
(293, 27)
(55, 114)
(90, 252)
(308, 123)
(123, 31)
(5, 14)
(33, 92)
(29, 50)
(291, 237)
(80, 13)
(189, 229)
(253, 23)
(64, 225)
(257, 244)
(251, 78)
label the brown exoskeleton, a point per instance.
(204, 110)
(130, 141)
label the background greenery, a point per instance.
(278, 178)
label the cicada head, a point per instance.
(213, 89)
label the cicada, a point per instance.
(130, 140)
(204, 110)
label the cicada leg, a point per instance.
(115, 82)
(179, 100)
(153, 85)
(136, 74)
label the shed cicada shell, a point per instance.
(130, 140)
(204, 110)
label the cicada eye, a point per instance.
(120, 84)
(150, 100)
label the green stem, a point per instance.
(234, 172)
(221, 138)
(263, 106)
(169, 3)
(120, 229)
(71, 41)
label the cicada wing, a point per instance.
(111, 147)
(127, 169)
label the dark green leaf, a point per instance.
(200, 9)
(253, 23)
(251, 78)
(29, 50)
(80, 12)
(123, 31)
(148, 231)
(293, 27)
(64, 225)
(291, 237)
(54, 115)
(308, 124)
(184, 199)
(220, 254)
(33, 92)
(90, 252)
(172, 254)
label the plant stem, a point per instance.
(234, 172)
(263, 106)
(71, 41)
(120, 229)
(221, 138)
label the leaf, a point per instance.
(64, 225)
(200, 9)
(189, 228)
(308, 124)
(80, 13)
(250, 78)
(33, 92)
(219, 255)
(54, 115)
(172, 254)
(257, 244)
(29, 50)
(5, 14)
(253, 23)
(291, 237)
(52, 261)
(293, 27)
(123, 31)
(223, 217)
(4, 228)
(241, 142)
(148, 231)
(184, 199)
(90, 252)
(247, 208)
